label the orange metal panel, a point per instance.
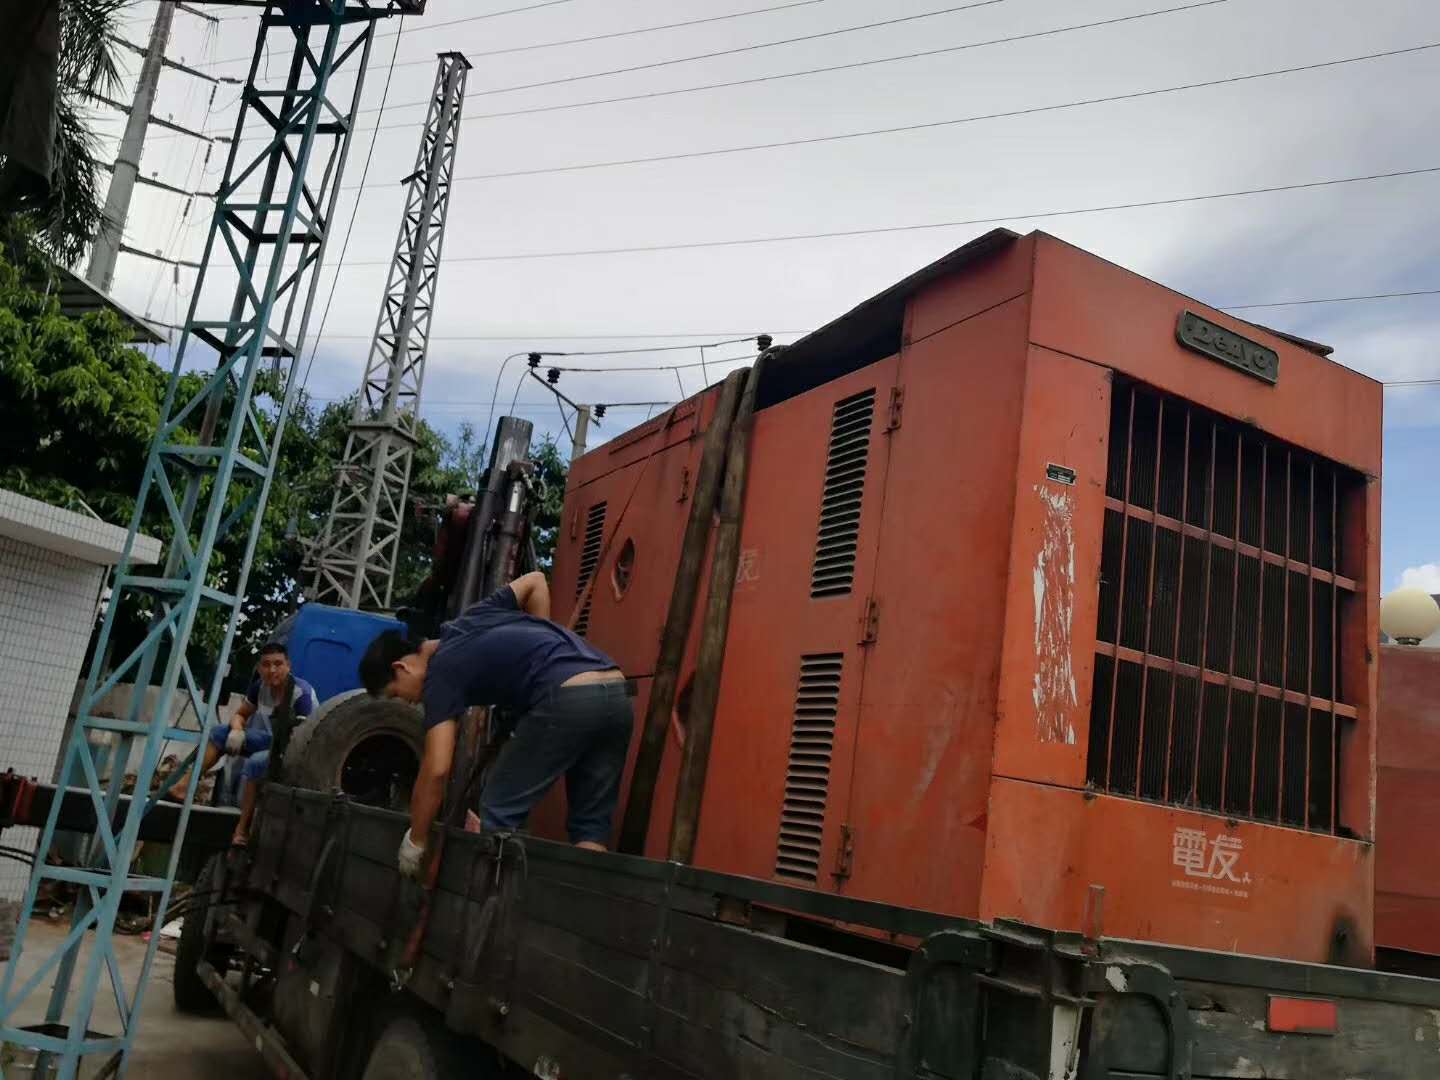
(922, 762)
(1043, 719)
(774, 622)
(1173, 875)
(1096, 310)
(678, 424)
(1407, 872)
(991, 280)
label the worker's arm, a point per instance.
(243, 713)
(532, 593)
(430, 782)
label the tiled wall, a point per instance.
(47, 610)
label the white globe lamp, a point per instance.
(1409, 615)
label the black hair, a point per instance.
(274, 647)
(375, 666)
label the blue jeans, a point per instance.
(579, 732)
(256, 752)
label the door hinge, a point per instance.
(684, 483)
(845, 853)
(870, 622)
(574, 523)
(897, 407)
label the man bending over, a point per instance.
(575, 718)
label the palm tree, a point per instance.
(66, 204)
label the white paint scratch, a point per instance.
(1116, 978)
(1053, 581)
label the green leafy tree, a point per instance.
(66, 206)
(79, 406)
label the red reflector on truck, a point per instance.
(1303, 1016)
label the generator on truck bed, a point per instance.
(1044, 744)
(1050, 578)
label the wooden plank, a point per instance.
(617, 921)
(582, 979)
(819, 991)
(721, 1031)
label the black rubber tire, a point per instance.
(321, 746)
(411, 1050)
(191, 994)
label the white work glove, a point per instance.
(235, 741)
(410, 857)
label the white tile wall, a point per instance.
(47, 610)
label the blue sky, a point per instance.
(1356, 118)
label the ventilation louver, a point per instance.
(589, 561)
(807, 775)
(1218, 674)
(833, 573)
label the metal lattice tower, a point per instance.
(207, 478)
(355, 564)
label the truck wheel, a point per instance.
(410, 1050)
(367, 747)
(191, 994)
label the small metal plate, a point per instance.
(1060, 474)
(1209, 339)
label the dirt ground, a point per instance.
(170, 1046)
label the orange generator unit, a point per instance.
(1052, 580)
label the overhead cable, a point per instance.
(354, 209)
(786, 74)
(431, 26)
(932, 124)
(822, 70)
(877, 230)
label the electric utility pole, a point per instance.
(355, 561)
(127, 163)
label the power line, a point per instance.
(431, 26)
(354, 209)
(619, 33)
(1332, 300)
(877, 230)
(788, 74)
(716, 54)
(825, 70)
(929, 125)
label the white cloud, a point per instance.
(1425, 577)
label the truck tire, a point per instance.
(191, 994)
(367, 747)
(411, 1050)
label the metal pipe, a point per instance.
(512, 443)
(677, 621)
(714, 631)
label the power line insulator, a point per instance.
(599, 412)
(552, 376)
(763, 342)
(533, 359)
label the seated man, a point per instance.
(273, 692)
(575, 717)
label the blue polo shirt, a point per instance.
(495, 654)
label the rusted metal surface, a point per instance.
(1085, 558)
(1407, 873)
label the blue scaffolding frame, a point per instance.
(272, 217)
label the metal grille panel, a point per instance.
(589, 560)
(807, 774)
(1218, 674)
(833, 573)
